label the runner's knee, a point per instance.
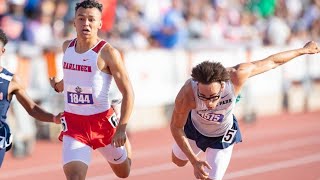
(177, 161)
(114, 155)
(123, 174)
(121, 170)
(75, 170)
(178, 157)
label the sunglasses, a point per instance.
(211, 98)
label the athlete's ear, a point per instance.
(3, 50)
(223, 85)
(100, 24)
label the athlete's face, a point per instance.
(87, 22)
(210, 93)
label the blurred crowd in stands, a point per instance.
(145, 24)
(37, 28)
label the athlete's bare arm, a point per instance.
(114, 63)
(184, 103)
(34, 110)
(241, 72)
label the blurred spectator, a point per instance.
(31, 8)
(312, 13)
(39, 31)
(3, 7)
(13, 23)
(59, 25)
(278, 32)
(294, 10)
(262, 8)
(172, 30)
(108, 14)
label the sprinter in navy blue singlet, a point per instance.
(9, 86)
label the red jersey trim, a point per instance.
(73, 42)
(99, 46)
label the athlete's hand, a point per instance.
(199, 169)
(119, 137)
(57, 86)
(57, 118)
(312, 47)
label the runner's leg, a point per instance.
(119, 158)
(178, 156)
(76, 158)
(219, 160)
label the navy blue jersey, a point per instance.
(5, 79)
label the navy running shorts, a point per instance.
(203, 142)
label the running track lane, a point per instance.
(277, 147)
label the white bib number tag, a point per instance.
(64, 124)
(211, 116)
(77, 95)
(229, 136)
(113, 120)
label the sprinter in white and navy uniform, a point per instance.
(10, 86)
(203, 119)
(213, 131)
(208, 126)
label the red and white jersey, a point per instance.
(86, 87)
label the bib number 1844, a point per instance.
(77, 98)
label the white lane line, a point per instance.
(231, 175)
(270, 148)
(57, 166)
(274, 166)
(31, 170)
(285, 145)
(138, 172)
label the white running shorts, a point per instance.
(74, 150)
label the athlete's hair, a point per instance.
(208, 72)
(89, 4)
(3, 37)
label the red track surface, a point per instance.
(277, 148)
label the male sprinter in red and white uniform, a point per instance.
(89, 122)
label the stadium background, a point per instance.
(160, 42)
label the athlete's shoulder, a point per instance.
(16, 83)
(5, 72)
(185, 96)
(109, 48)
(66, 43)
(110, 52)
(187, 87)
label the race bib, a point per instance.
(79, 95)
(229, 136)
(210, 116)
(64, 124)
(5, 136)
(113, 120)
